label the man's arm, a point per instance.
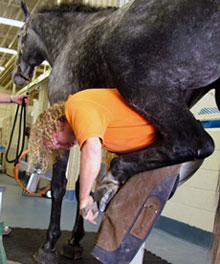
(91, 154)
(4, 98)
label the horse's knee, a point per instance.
(59, 181)
(58, 190)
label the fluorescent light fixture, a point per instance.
(2, 68)
(6, 50)
(11, 22)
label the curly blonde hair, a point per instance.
(46, 124)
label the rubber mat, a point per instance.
(22, 243)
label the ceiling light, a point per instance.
(6, 50)
(11, 22)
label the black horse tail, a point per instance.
(215, 246)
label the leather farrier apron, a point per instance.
(132, 213)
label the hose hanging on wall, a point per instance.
(18, 152)
(33, 182)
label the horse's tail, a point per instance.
(215, 247)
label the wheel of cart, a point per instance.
(31, 179)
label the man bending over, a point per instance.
(95, 119)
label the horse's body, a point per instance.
(162, 56)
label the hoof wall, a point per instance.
(72, 252)
(46, 257)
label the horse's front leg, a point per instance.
(47, 253)
(73, 249)
(182, 139)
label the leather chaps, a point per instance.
(132, 213)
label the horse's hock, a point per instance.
(132, 213)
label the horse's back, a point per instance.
(171, 39)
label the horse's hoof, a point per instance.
(106, 190)
(46, 257)
(105, 200)
(72, 252)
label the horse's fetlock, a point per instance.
(117, 170)
(109, 178)
(47, 247)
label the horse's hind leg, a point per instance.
(182, 139)
(72, 249)
(47, 254)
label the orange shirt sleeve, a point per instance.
(86, 119)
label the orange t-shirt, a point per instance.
(103, 113)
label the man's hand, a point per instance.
(19, 98)
(90, 216)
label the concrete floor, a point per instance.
(34, 212)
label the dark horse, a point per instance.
(162, 56)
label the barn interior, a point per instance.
(183, 233)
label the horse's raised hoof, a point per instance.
(46, 257)
(106, 190)
(72, 252)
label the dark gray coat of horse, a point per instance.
(162, 56)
